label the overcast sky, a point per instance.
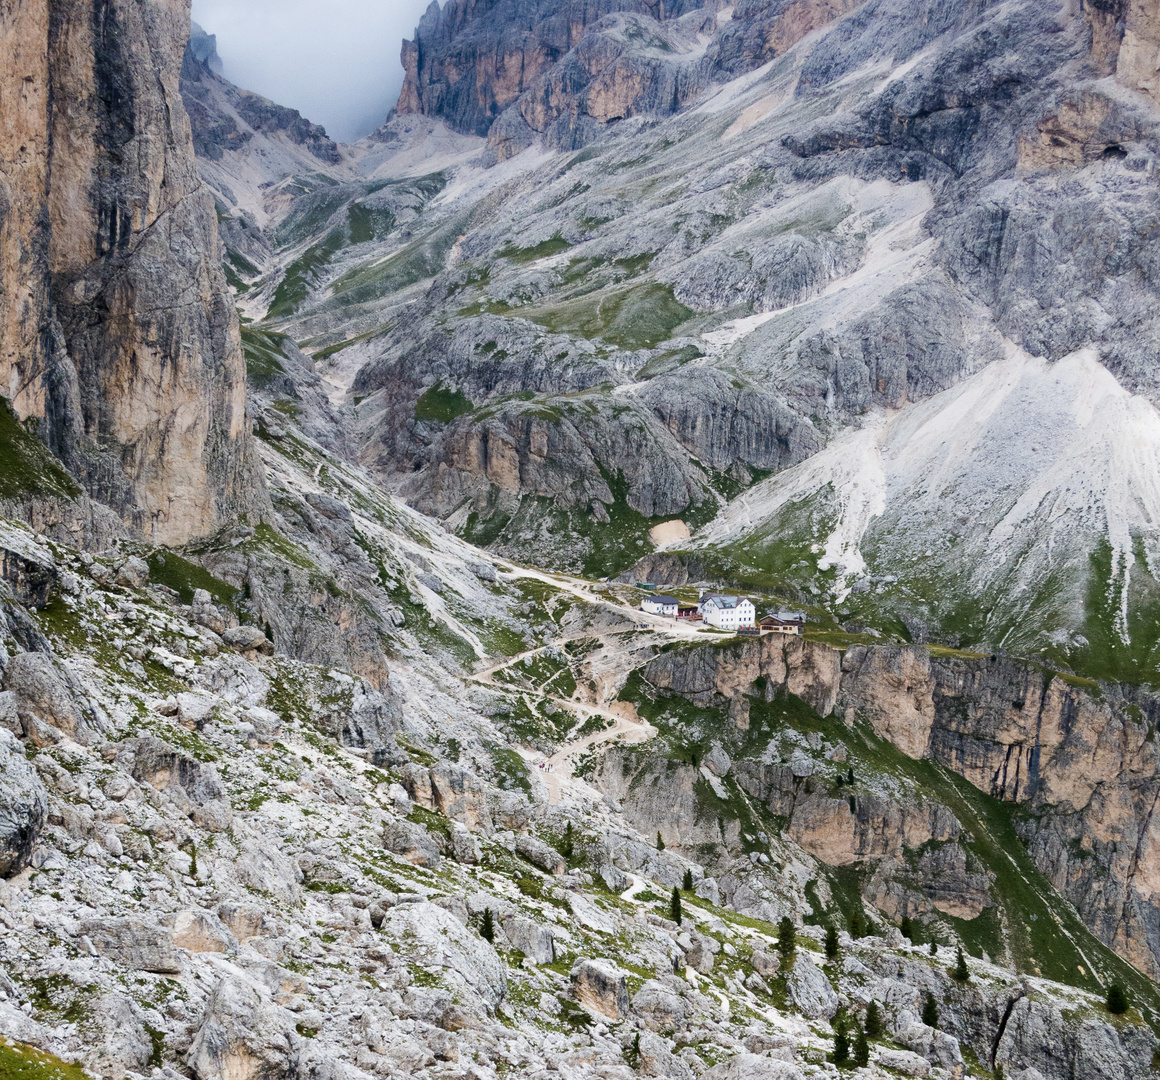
(335, 61)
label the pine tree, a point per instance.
(193, 861)
(841, 1046)
(930, 1012)
(632, 1054)
(907, 928)
(850, 775)
(660, 841)
(567, 848)
(786, 936)
(487, 928)
(961, 973)
(861, 1049)
(1117, 999)
(675, 906)
(873, 1021)
(687, 884)
(831, 943)
(934, 948)
(999, 1073)
(855, 925)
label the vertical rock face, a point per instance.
(117, 332)
(473, 58)
(1126, 41)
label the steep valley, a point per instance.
(334, 743)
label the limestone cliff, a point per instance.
(1082, 760)
(118, 337)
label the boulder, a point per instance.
(460, 795)
(707, 889)
(43, 692)
(936, 1046)
(766, 964)
(132, 944)
(413, 842)
(27, 567)
(245, 921)
(810, 990)
(193, 785)
(431, 937)
(464, 846)
(656, 1059)
(23, 806)
(133, 573)
(483, 571)
(416, 782)
(541, 855)
(116, 1041)
(615, 879)
(270, 872)
(659, 1006)
(601, 987)
(198, 932)
(247, 639)
(244, 1036)
(717, 761)
(535, 940)
(905, 1062)
(700, 952)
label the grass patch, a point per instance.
(183, 577)
(303, 274)
(264, 355)
(636, 317)
(27, 466)
(18, 1062)
(545, 248)
(442, 405)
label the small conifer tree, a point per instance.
(930, 1011)
(841, 1046)
(850, 775)
(856, 925)
(907, 928)
(687, 884)
(934, 948)
(660, 841)
(193, 860)
(961, 973)
(632, 1054)
(786, 936)
(675, 905)
(861, 1049)
(873, 1021)
(1117, 1001)
(831, 943)
(487, 927)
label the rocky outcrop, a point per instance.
(810, 990)
(23, 806)
(133, 944)
(194, 786)
(601, 987)
(1084, 764)
(244, 1036)
(117, 334)
(784, 663)
(470, 60)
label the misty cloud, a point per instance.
(335, 61)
